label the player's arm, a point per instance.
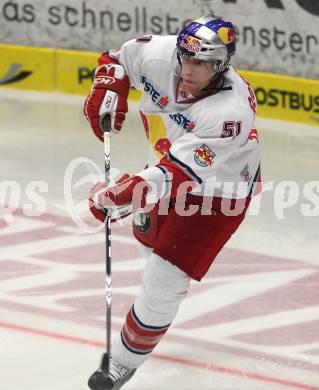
(108, 96)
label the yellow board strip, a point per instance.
(284, 97)
(75, 71)
(44, 69)
(27, 68)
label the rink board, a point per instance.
(67, 71)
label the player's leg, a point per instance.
(164, 287)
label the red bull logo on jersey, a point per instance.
(227, 35)
(204, 156)
(162, 146)
(191, 43)
(182, 121)
(158, 98)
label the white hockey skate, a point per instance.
(112, 379)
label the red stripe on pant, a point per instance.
(139, 339)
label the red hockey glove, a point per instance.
(108, 96)
(117, 200)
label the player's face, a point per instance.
(196, 75)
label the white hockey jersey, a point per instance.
(213, 139)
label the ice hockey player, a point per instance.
(198, 114)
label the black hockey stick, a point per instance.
(97, 380)
(106, 125)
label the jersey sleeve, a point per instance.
(131, 56)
